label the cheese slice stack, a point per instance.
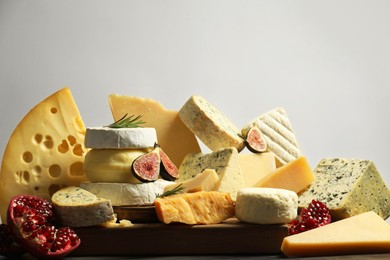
(45, 152)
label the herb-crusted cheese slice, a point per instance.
(278, 133)
(225, 162)
(212, 127)
(348, 187)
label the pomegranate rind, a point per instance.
(168, 170)
(146, 167)
(255, 141)
(41, 221)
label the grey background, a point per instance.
(325, 62)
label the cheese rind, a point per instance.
(45, 151)
(255, 166)
(207, 180)
(203, 207)
(348, 187)
(295, 176)
(225, 162)
(120, 138)
(278, 134)
(210, 125)
(127, 194)
(366, 233)
(266, 205)
(173, 136)
(76, 207)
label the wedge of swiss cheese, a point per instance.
(45, 151)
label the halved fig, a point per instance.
(146, 167)
(168, 170)
(255, 141)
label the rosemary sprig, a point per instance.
(127, 122)
(176, 190)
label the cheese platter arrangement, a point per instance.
(142, 185)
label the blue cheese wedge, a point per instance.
(348, 187)
(224, 161)
(278, 134)
(210, 125)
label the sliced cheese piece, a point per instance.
(76, 207)
(255, 166)
(266, 205)
(111, 165)
(210, 125)
(348, 187)
(45, 151)
(225, 162)
(120, 138)
(127, 194)
(173, 136)
(207, 180)
(203, 207)
(366, 233)
(278, 134)
(294, 176)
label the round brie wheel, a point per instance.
(266, 205)
(120, 138)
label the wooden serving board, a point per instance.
(229, 237)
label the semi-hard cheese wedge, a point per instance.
(111, 165)
(348, 187)
(45, 151)
(76, 207)
(173, 136)
(207, 180)
(278, 134)
(366, 233)
(210, 125)
(225, 162)
(255, 166)
(203, 207)
(127, 194)
(295, 176)
(266, 205)
(120, 138)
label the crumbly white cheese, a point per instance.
(127, 194)
(266, 205)
(76, 207)
(120, 138)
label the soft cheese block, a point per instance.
(278, 134)
(203, 207)
(45, 151)
(127, 194)
(120, 138)
(255, 166)
(266, 205)
(173, 136)
(225, 162)
(207, 180)
(366, 233)
(76, 207)
(210, 125)
(348, 187)
(295, 176)
(111, 165)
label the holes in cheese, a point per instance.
(44, 151)
(295, 176)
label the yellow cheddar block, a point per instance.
(255, 166)
(295, 176)
(366, 233)
(173, 136)
(207, 180)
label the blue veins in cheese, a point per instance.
(224, 161)
(348, 187)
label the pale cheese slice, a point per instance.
(255, 166)
(173, 136)
(45, 151)
(207, 180)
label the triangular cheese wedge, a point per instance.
(173, 136)
(45, 152)
(366, 233)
